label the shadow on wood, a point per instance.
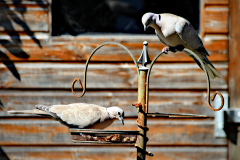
(3, 155)
(10, 17)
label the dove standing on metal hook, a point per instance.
(177, 33)
(79, 115)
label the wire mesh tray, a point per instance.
(102, 136)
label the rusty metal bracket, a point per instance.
(137, 105)
(141, 126)
(83, 87)
(143, 151)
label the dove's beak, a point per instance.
(121, 119)
(145, 28)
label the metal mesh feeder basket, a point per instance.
(102, 136)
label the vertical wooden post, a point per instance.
(234, 54)
(234, 74)
(142, 116)
(142, 106)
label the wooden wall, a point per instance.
(38, 69)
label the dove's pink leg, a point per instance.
(165, 49)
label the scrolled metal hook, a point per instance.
(80, 84)
(222, 100)
(148, 75)
(86, 66)
(208, 86)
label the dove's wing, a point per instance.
(188, 34)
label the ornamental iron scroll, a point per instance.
(142, 105)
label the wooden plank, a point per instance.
(22, 19)
(234, 48)
(161, 132)
(109, 76)
(116, 153)
(217, 2)
(12, 43)
(202, 16)
(24, 38)
(234, 77)
(216, 19)
(79, 49)
(33, 2)
(191, 102)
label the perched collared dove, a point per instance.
(177, 33)
(80, 115)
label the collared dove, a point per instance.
(81, 115)
(177, 33)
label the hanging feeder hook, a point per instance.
(80, 84)
(86, 66)
(208, 86)
(207, 76)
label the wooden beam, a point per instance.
(216, 2)
(234, 55)
(191, 102)
(112, 153)
(44, 131)
(25, 2)
(234, 74)
(79, 49)
(25, 20)
(216, 19)
(110, 76)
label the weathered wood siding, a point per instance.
(38, 69)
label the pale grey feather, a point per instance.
(80, 115)
(177, 33)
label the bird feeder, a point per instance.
(139, 137)
(102, 136)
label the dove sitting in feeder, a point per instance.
(177, 33)
(81, 115)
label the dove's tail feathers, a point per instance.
(43, 107)
(212, 72)
(35, 111)
(46, 109)
(21, 112)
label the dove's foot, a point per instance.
(165, 50)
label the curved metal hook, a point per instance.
(148, 75)
(208, 82)
(80, 84)
(86, 66)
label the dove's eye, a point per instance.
(148, 21)
(119, 113)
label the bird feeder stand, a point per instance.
(138, 137)
(142, 105)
